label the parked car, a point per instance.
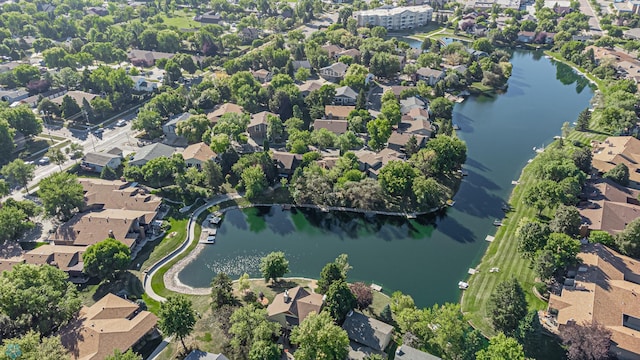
(44, 161)
(98, 131)
(121, 122)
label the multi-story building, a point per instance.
(395, 18)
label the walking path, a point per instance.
(185, 244)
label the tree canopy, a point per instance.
(177, 317)
(274, 265)
(317, 337)
(507, 306)
(106, 258)
(61, 194)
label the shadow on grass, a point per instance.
(282, 285)
(125, 283)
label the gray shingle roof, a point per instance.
(100, 159)
(151, 152)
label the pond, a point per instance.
(425, 257)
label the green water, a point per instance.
(425, 257)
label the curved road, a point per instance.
(185, 244)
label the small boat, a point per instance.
(412, 216)
(547, 57)
(456, 127)
(450, 202)
(506, 207)
(211, 238)
(215, 220)
(463, 285)
(497, 222)
(463, 172)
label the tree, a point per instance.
(582, 124)
(69, 106)
(586, 341)
(532, 236)
(106, 258)
(317, 337)
(177, 317)
(254, 181)
(386, 315)
(385, 65)
(61, 194)
(363, 294)
(221, 291)
(6, 141)
(14, 221)
(149, 121)
(543, 194)
(275, 128)
(108, 173)
(18, 172)
(220, 143)
(22, 119)
(396, 178)
(441, 108)
(34, 347)
(567, 220)
(628, 240)
(507, 306)
(57, 156)
(330, 273)
(400, 301)
(249, 325)
(274, 265)
(451, 153)
(265, 350)
(619, 174)
(544, 265)
(564, 250)
(193, 128)
(213, 174)
(582, 159)
(101, 106)
(429, 193)
(343, 263)
(128, 355)
(501, 347)
(601, 237)
(348, 141)
(379, 132)
(302, 74)
(243, 283)
(483, 44)
(36, 297)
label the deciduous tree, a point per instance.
(363, 294)
(586, 341)
(61, 194)
(106, 258)
(619, 174)
(128, 355)
(628, 241)
(317, 337)
(221, 291)
(502, 347)
(18, 172)
(567, 220)
(32, 346)
(274, 265)
(177, 317)
(532, 236)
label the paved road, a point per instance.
(594, 22)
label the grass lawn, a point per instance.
(503, 253)
(181, 20)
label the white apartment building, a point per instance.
(395, 18)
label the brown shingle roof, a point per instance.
(64, 257)
(615, 207)
(111, 323)
(261, 118)
(300, 304)
(606, 291)
(339, 112)
(118, 194)
(618, 150)
(215, 115)
(78, 96)
(337, 127)
(199, 151)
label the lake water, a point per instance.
(425, 257)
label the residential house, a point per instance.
(210, 17)
(406, 105)
(78, 96)
(9, 66)
(526, 37)
(337, 127)
(430, 76)
(416, 122)
(544, 37)
(141, 83)
(257, 127)
(477, 54)
(102, 194)
(65, 258)
(262, 75)
(96, 10)
(354, 53)
(609, 207)
(196, 155)
(169, 128)
(249, 34)
(7, 263)
(147, 58)
(632, 34)
(97, 161)
(286, 163)
(398, 140)
(32, 101)
(334, 72)
(337, 112)
(345, 96)
(628, 6)
(398, 89)
(216, 114)
(308, 86)
(371, 162)
(297, 64)
(292, 306)
(150, 152)
(13, 95)
(406, 352)
(395, 17)
(85, 229)
(616, 150)
(366, 335)
(605, 290)
(201, 355)
(110, 324)
(332, 50)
